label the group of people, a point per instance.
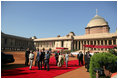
(87, 60)
(87, 57)
(60, 58)
(80, 57)
(41, 58)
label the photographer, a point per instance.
(106, 70)
(109, 69)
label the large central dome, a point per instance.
(97, 21)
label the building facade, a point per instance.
(11, 42)
(96, 33)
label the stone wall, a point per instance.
(97, 29)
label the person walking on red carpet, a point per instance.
(66, 59)
(88, 60)
(39, 59)
(56, 56)
(27, 56)
(31, 58)
(43, 56)
(80, 58)
(47, 57)
(60, 60)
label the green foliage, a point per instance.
(50, 49)
(100, 57)
(112, 51)
(62, 61)
(75, 50)
(66, 51)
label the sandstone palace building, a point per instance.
(96, 33)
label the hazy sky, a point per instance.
(48, 19)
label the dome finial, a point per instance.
(96, 11)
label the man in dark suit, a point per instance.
(27, 56)
(47, 57)
(88, 60)
(80, 58)
(39, 60)
(43, 56)
(56, 57)
(85, 58)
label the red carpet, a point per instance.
(35, 73)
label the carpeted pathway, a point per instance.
(35, 73)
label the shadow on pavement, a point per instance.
(12, 66)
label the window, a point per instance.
(98, 42)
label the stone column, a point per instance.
(83, 44)
(74, 44)
(103, 44)
(86, 44)
(93, 44)
(112, 42)
(100, 44)
(77, 45)
(96, 44)
(80, 45)
(107, 43)
(89, 44)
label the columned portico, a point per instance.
(80, 45)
